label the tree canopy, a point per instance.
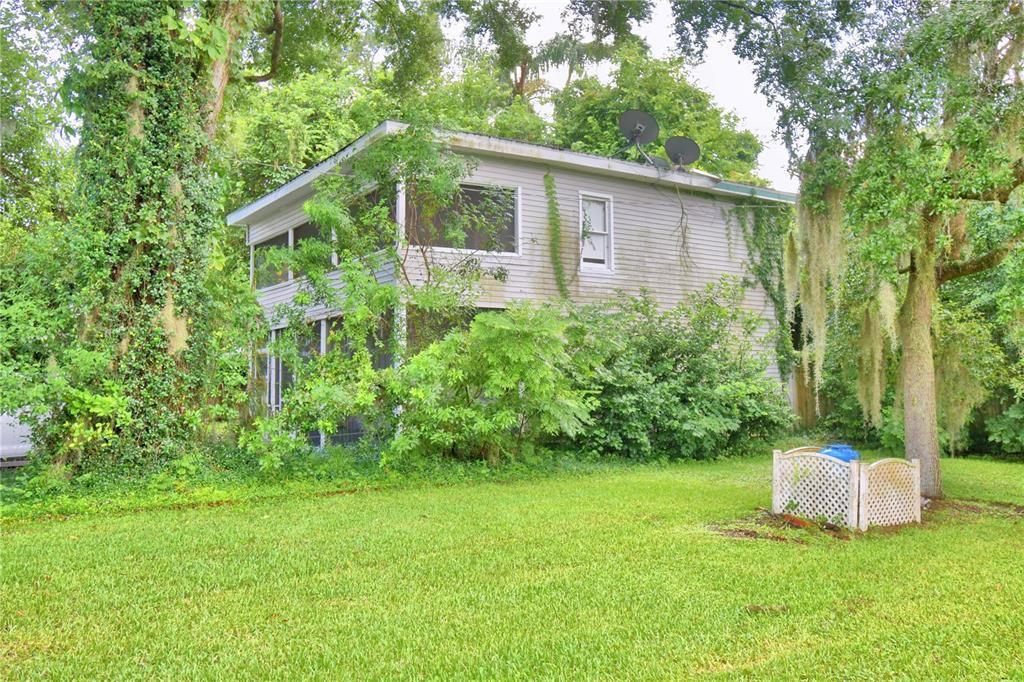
(905, 123)
(586, 113)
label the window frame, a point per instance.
(517, 191)
(609, 201)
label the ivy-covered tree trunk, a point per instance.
(920, 421)
(149, 204)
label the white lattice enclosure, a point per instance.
(890, 493)
(809, 484)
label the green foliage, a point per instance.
(586, 114)
(504, 22)
(317, 35)
(475, 98)
(273, 133)
(967, 362)
(555, 235)
(683, 383)
(32, 167)
(494, 392)
(1007, 430)
(765, 229)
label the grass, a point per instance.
(620, 574)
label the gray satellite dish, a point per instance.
(638, 127)
(682, 150)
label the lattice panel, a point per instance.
(814, 486)
(890, 493)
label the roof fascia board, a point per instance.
(767, 193)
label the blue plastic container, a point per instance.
(840, 451)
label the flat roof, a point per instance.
(300, 187)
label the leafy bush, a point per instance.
(1007, 430)
(624, 381)
(493, 392)
(684, 383)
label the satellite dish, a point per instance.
(682, 150)
(661, 163)
(638, 127)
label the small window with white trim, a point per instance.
(595, 231)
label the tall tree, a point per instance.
(904, 120)
(586, 113)
(149, 83)
(594, 29)
(125, 378)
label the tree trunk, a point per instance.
(229, 16)
(920, 421)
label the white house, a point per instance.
(665, 231)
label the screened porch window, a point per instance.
(308, 231)
(264, 273)
(366, 215)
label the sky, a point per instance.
(729, 80)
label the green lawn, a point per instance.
(619, 575)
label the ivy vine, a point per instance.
(764, 231)
(555, 235)
(132, 390)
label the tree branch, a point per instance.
(752, 12)
(1000, 194)
(963, 268)
(277, 29)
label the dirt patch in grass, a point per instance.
(760, 526)
(770, 609)
(980, 507)
(749, 534)
(756, 527)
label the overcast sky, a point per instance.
(729, 80)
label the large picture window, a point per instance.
(595, 231)
(481, 218)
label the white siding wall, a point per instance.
(647, 234)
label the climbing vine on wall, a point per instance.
(555, 235)
(765, 228)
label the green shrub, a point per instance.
(493, 392)
(1007, 430)
(683, 383)
(626, 380)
